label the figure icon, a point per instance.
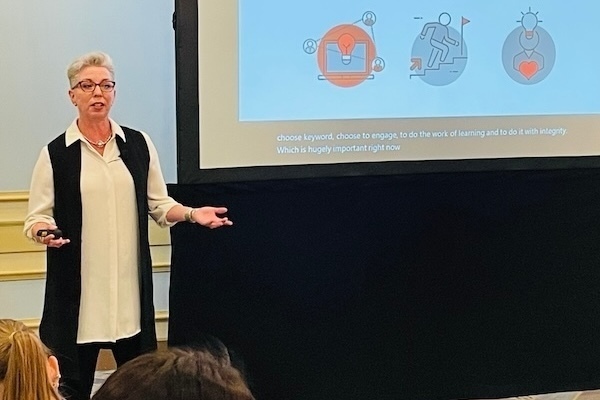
(310, 46)
(528, 62)
(368, 18)
(439, 39)
(378, 64)
(529, 53)
(439, 53)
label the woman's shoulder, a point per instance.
(136, 135)
(127, 131)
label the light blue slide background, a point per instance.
(279, 81)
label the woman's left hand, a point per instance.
(209, 217)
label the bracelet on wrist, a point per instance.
(189, 215)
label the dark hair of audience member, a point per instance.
(175, 374)
(27, 369)
(214, 346)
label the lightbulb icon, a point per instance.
(346, 44)
(529, 21)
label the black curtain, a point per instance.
(432, 286)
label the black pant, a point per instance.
(80, 389)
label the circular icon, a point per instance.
(528, 56)
(345, 55)
(369, 18)
(309, 46)
(378, 64)
(439, 53)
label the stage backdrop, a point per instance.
(431, 286)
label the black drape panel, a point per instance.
(434, 286)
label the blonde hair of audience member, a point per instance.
(27, 369)
(175, 374)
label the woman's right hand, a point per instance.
(49, 240)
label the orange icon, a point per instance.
(346, 44)
(528, 68)
(351, 47)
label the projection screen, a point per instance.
(269, 89)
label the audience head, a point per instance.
(27, 369)
(223, 354)
(212, 345)
(175, 374)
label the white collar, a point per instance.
(73, 134)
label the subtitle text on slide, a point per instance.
(375, 142)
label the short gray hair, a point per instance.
(94, 59)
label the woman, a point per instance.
(27, 370)
(97, 183)
(175, 374)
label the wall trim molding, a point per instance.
(21, 259)
(14, 196)
(35, 274)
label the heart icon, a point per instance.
(528, 68)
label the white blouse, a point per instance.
(110, 299)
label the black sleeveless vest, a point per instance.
(59, 324)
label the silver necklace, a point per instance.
(99, 143)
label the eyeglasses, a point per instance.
(90, 86)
